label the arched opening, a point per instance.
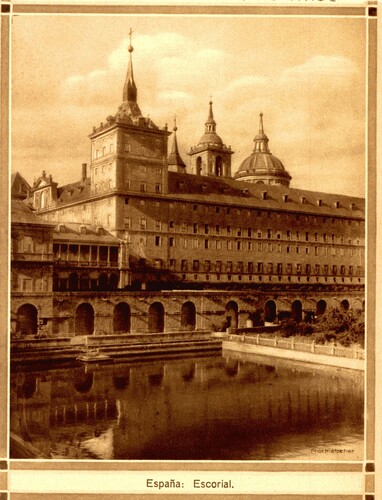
(321, 307)
(83, 382)
(26, 320)
(188, 316)
(218, 166)
(84, 323)
(345, 305)
(121, 318)
(231, 314)
(269, 311)
(198, 165)
(103, 282)
(297, 311)
(113, 284)
(73, 281)
(156, 318)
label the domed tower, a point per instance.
(262, 167)
(211, 157)
(175, 162)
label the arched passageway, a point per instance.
(121, 318)
(297, 311)
(270, 311)
(345, 305)
(188, 316)
(231, 314)
(84, 323)
(26, 320)
(321, 307)
(156, 318)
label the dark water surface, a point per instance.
(206, 408)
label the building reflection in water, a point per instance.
(196, 408)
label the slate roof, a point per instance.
(22, 214)
(73, 233)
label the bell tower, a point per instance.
(211, 157)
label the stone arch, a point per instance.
(73, 281)
(232, 314)
(345, 305)
(321, 307)
(26, 320)
(270, 311)
(188, 316)
(156, 318)
(296, 311)
(219, 166)
(84, 322)
(121, 318)
(103, 282)
(199, 165)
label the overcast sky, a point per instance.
(306, 75)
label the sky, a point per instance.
(306, 75)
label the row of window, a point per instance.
(208, 244)
(141, 186)
(254, 213)
(247, 232)
(256, 268)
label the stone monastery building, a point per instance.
(141, 242)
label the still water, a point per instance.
(205, 408)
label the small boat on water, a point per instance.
(93, 356)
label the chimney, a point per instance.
(84, 165)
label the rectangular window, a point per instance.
(171, 241)
(250, 267)
(183, 265)
(342, 270)
(158, 225)
(239, 231)
(279, 247)
(289, 268)
(158, 187)
(218, 245)
(142, 187)
(270, 268)
(127, 223)
(143, 224)
(250, 246)
(240, 267)
(298, 235)
(195, 227)
(206, 229)
(351, 270)
(249, 232)
(238, 243)
(279, 268)
(228, 229)
(306, 236)
(157, 241)
(259, 234)
(326, 269)
(229, 266)
(218, 266)
(269, 247)
(195, 265)
(317, 269)
(195, 243)
(207, 266)
(315, 236)
(171, 264)
(307, 250)
(171, 224)
(334, 270)
(260, 267)
(269, 235)
(260, 247)
(307, 269)
(184, 227)
(206, 244)
(217, 229)
(288, 234)
(297, 249)
(229, 245)
(298, 268)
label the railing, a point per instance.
(292, 344)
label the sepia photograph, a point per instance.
(191, 207)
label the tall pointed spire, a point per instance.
(261, 140)
(130, 89)
(175, 162)
(210, 123)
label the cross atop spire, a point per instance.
(130, 89)
(210, 123)
(261, 140)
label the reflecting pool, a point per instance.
(227, 407)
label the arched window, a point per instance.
(218, 166)
(84, 321)
(321, 307)
(121, 318)
(270, 311)
(26, 320)
(188, 316)
(297, 311)
(198, 165)
(156, 318)
(231, 314)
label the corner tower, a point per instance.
(261, 167)
(211, 157)
(128, 151)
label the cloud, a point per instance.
(322, 67)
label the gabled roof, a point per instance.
(19, 186)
